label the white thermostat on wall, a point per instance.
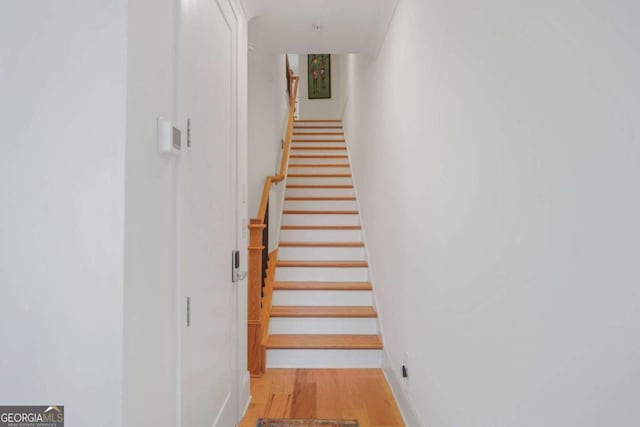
(168, 137)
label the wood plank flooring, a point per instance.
(361, 394)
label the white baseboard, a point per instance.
(406, 407)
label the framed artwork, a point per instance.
(319, 75)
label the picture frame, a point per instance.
(319, 75)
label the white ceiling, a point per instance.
(348, 26)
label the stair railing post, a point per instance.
(254, 296)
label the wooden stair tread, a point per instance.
(322, 264)
(316, 120)
(317, 212)
(319, 165)
(318, 133)
(319, 140)
(319, 175)
(322, 286)
(318, 156)
(321, 244)
(319, 186)
(318, 127)
(318, 148)
(320, 199)
(331, 342)
(321, 227)
(322, 311)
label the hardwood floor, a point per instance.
(361, 394)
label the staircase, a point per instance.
(322, 313)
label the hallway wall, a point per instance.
(268, 115)
(151, 254)
(62, 99)
(495, 151)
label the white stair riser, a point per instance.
(319, 192)
(333, 152)
(305, 161)
(321, 325)
(324, 359)
(315, 137)
(321, 205)
(319, 219)
(321, 235)
(326, 298)
(322, 274)
(319, 180)
(316, 170)
(321, 254)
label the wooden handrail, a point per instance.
(259, 297)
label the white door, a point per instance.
(207, 214)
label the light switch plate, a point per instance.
(168, 137)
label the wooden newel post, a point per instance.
(254, 295)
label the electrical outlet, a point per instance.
(404, 371)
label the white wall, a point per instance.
(268, 115)
(150, 300)
(496, 151)
(294, 63)
(331, 108)
(63, 86)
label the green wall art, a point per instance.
(319, 71)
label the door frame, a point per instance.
(233, 14)
(239, 100)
